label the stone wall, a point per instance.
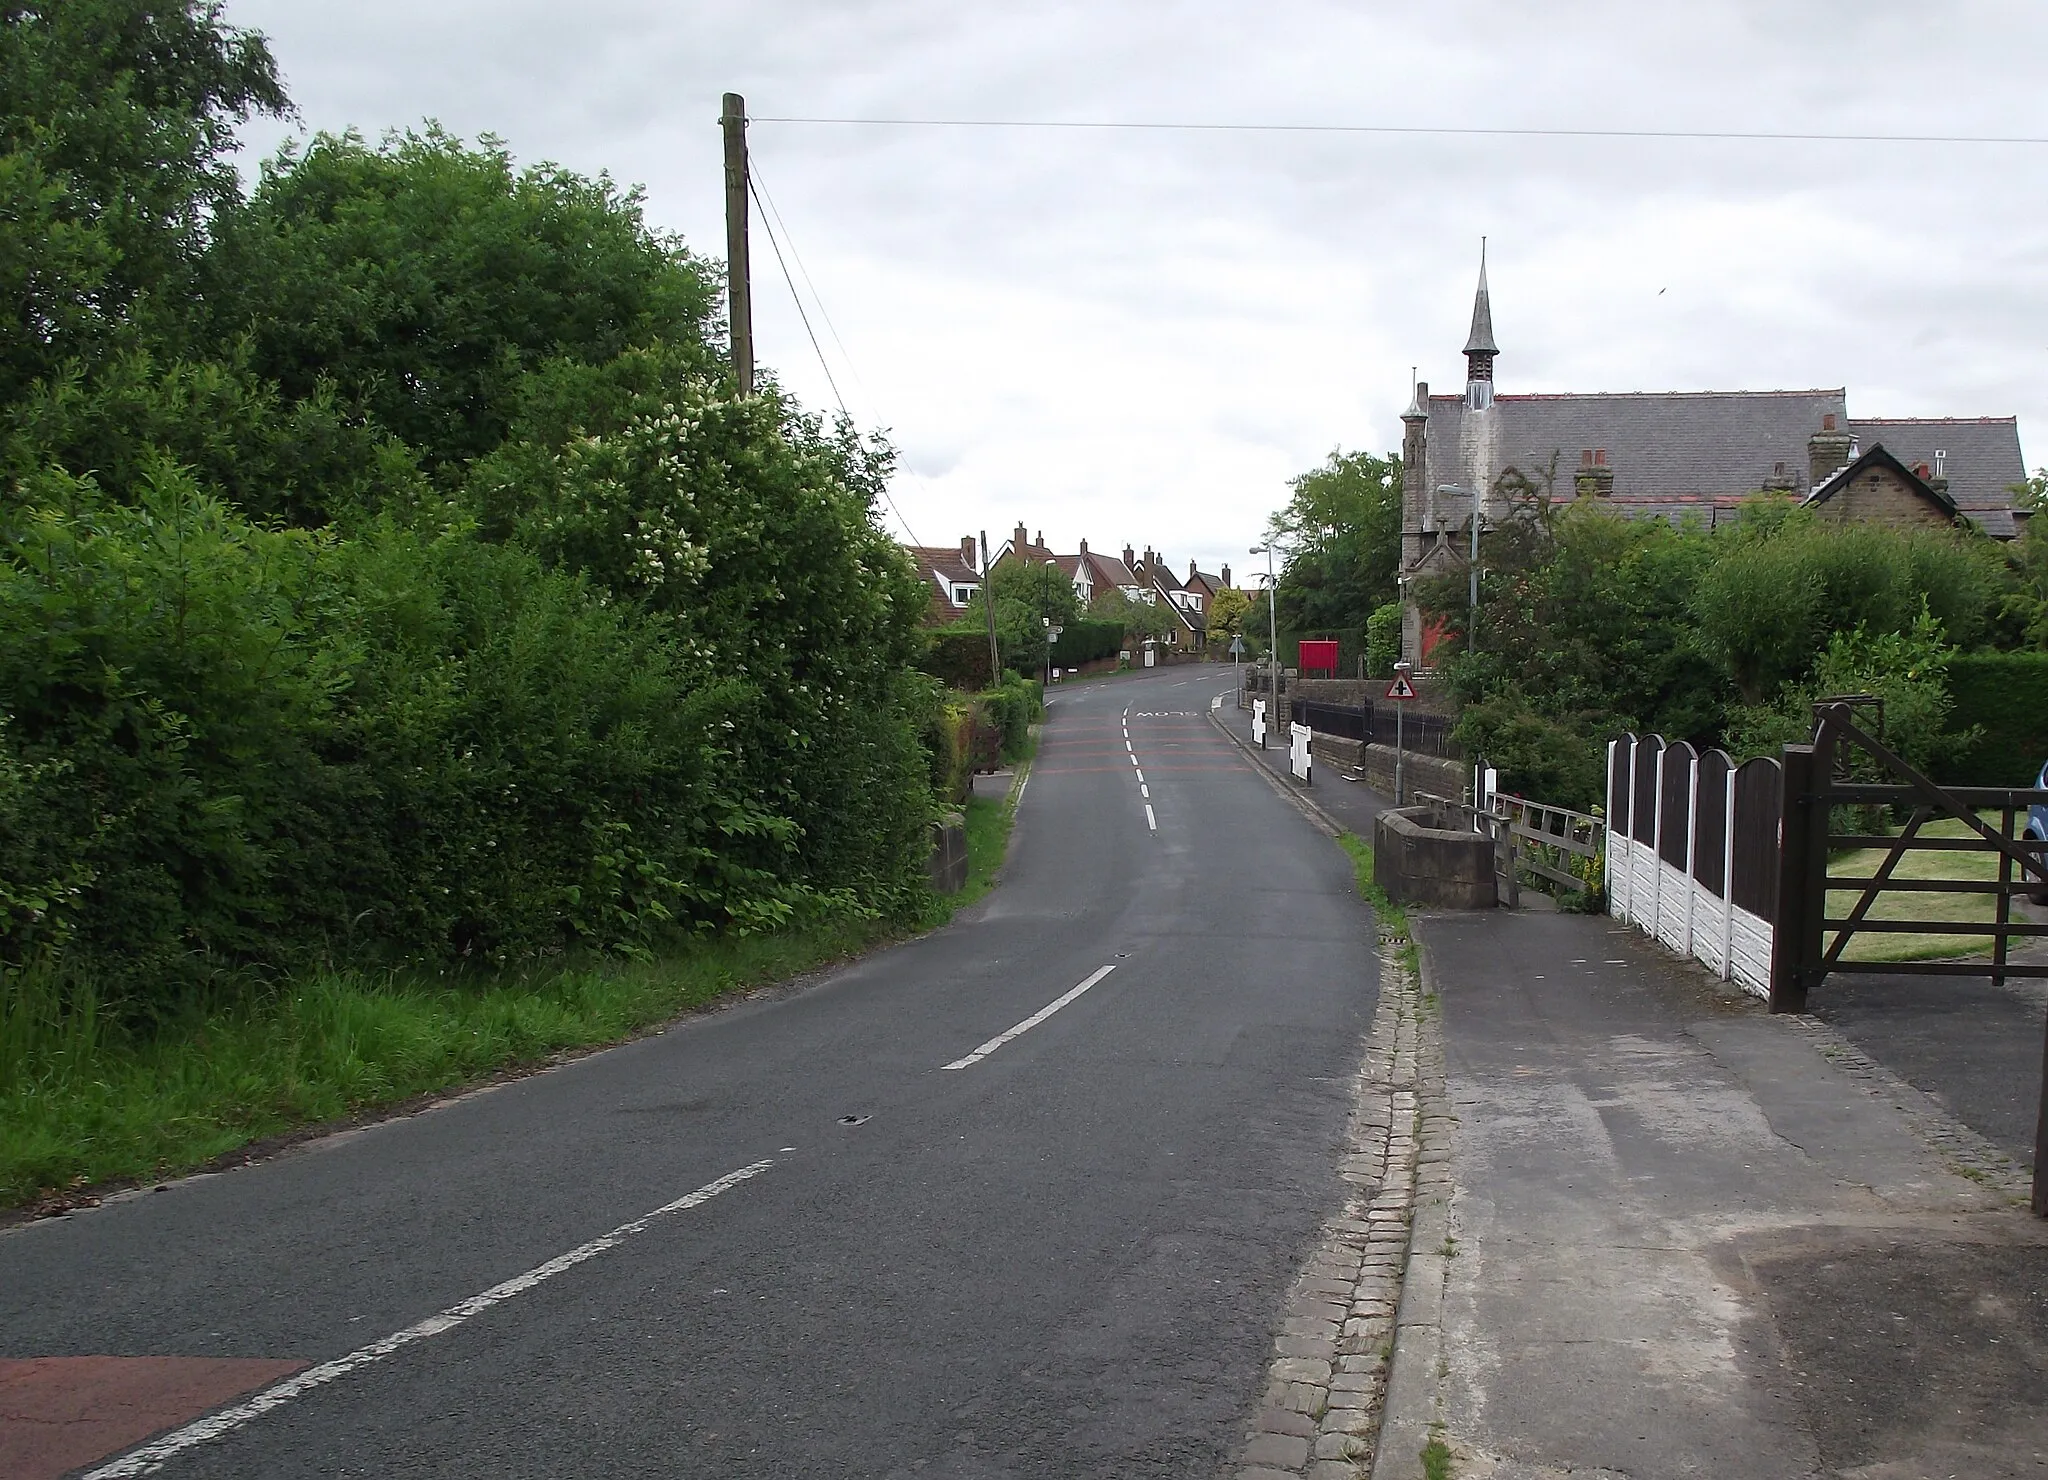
(1441, 868)
(1429, 773)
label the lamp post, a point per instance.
(1272, 624)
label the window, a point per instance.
(962, 595)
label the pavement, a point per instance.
(1022, 1197)
(1348, 805)
(1661, 1233)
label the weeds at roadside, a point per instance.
(1436, 1457)
(90, 1105)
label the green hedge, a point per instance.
(1085, 641)
(1011, 707)
(2006, 694)
(959, 660)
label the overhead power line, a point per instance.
(1750, 136)
(816, 349)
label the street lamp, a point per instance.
(1272, 620)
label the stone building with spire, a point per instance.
(1677, 455)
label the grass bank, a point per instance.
(85, 1106)
(1934, 909)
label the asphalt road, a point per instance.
(1062, 1258)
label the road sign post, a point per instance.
(1400, 691)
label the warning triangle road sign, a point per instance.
(1400, 688)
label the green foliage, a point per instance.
(1027, 597)
(424, 280)
(2002, 700)
(1228, 611)
(1012, 707)
(1592, 624)
(1134, 620)
(1084, 640)
(1383, 640)
(1342, 530)
(115, 141)
(1907, 670)
(959, 658)
(387, 571)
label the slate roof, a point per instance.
(1702, 450)
(1672, 442)
(1983, 462)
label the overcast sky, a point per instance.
(1140, 336)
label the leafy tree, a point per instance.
(115, 134)
(425, 280)
(1139, 619)
(1227, 612)
(1343, 531)
(1027, 597)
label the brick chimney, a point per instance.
(1084, 547)
(1594, 479)
(1192, 572)
(1781, 480)
(1130, 557)
(1826, 450)
(1938, 478)
(1226, 575)
(1018, 543)
(968, 553)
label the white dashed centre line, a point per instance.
(1028, 1024)
(1151, 821)
(151, 1456)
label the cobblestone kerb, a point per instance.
(1326, 1384)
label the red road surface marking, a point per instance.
(60, 1413)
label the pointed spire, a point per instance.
(1416, 391)
(1480, 340)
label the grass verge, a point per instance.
(85, 1109)
(1934, 909)
(1393, 919)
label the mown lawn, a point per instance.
(84, 1105)
(1908, 905)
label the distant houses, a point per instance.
(955, 573)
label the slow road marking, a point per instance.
(1026, 1026)
(151, 1456)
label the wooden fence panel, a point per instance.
(1644, 803)
(1710, 845)
(1759, 788)
(1675, 835)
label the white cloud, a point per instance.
(1140, 336)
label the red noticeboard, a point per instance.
(1318, 655)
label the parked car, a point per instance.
(2037, 832)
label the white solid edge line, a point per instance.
(151, 1456)
(1019, 801)
(1027, 1025)
(1151, 821)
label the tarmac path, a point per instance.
(1018, 1198)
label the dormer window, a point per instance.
(962, 595)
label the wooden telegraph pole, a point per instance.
(988, 606)
(739, 298)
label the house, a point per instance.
(1879, 489)
(951, 573)
(1676, 455)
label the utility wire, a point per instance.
(816, 297)
(797, 298)
(1392, 128)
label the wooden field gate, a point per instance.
(1731, 865)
